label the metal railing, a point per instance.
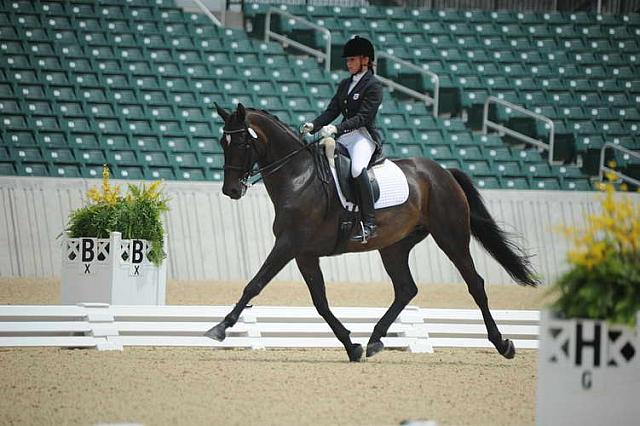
(404, 89)
(486, 123)
(604, 168)
(326, 57)
(210, 15)
(286, 41)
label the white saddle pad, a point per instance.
(394, 189)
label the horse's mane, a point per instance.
(277, 121)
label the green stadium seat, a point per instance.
(469, 153)
(449, 164)
(65, 170)
(453, 125)
(26, 154)
(60, 155)
(409, 150)
(122, 157)
(487, 182)
(129, 172)
(396, 121)
(170, 127)
(138, 126)
(96, 94)
(156, 173)
(507, 168)
(462, 140)
(176, 144)
(7, 168)
(91, 156)
(477, 168)
(108, 125)
(20, 138)
(575, 43)
(4, 154)
(183, 159)
(498, 153)
(514, 183)
(476, 16)
(486, 141)
(400, 136)
(440, 153)
(576, 184)
(547, 183)
(191, 173)
(155, 158)
(491, 35)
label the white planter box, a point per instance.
(588, 373)
(113, 271)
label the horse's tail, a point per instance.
(493, 239)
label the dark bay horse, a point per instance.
(443, 203)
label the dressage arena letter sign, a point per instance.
(137, 256)
(588, 372)
(88, 254)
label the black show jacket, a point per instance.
(359, 108)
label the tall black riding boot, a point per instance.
(368, 228)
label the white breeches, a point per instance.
(360, 146)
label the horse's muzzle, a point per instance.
(235, 192)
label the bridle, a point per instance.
(269, 169)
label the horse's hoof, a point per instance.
(217, 333)
(510, 350)
(355, 353)
(374, 347)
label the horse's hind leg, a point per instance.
(454, 241)
(395, 259)
(310, 269)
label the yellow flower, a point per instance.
(94, 195)
(612, 176)
(105, 179)
(616, 229)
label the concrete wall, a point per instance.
(214, 238)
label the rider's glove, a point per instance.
(306, 128)
(327, 131)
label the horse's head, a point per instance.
(238, 143)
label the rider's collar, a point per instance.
(355, 78)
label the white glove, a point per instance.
(327, 131)
(306, 128)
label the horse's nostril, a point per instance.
(235, 193)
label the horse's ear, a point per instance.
(242, 112)
(222, 113)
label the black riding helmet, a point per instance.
(358, 46)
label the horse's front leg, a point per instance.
(310, 269)
(280, 255)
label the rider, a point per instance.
(358, 99)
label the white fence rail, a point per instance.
(108, 327)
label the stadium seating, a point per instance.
(581, 70)
(132, 84)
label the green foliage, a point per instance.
(604, 281)
(137, 215)
(610, 290)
